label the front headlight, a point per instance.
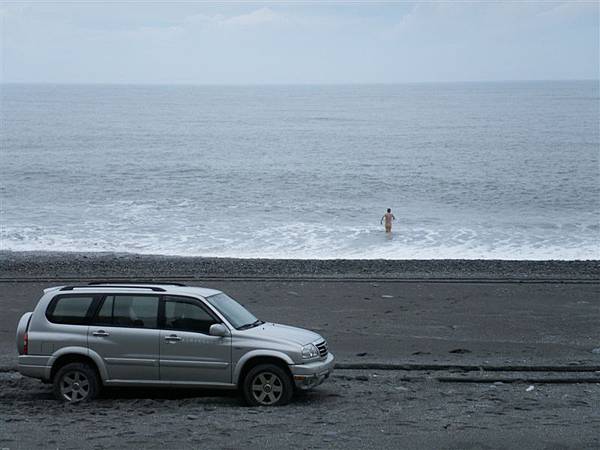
(310, 351)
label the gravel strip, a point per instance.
(48, 264)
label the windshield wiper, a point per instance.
(256, 323)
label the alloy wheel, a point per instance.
(267, 388)
(74, 386)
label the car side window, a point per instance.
(105, 315)
(133, 311)
(71, 309)
(186, 314)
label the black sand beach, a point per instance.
(353, 410)
(517, 320)
(64, 265)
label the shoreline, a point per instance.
(103, 264)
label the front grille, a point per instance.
(322, 347)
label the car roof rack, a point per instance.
(129, 282)
(152, 288)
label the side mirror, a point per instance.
(218, 329)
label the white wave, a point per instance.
(307, 241)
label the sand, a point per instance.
(444, 313)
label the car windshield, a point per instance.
(236, 314)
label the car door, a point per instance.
(188, 354)
(124, 332)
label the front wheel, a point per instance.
(267, 385)
(75, 383)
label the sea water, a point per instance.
(470, 170)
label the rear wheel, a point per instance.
(267, 385)
(75, 383)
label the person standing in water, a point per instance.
(388, 217)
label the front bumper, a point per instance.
(311, 374)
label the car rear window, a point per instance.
(71, 309)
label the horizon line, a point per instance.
(344, 83)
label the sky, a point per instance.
(297, 42)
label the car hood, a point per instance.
(277, 332)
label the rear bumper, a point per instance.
(34, 366)
(309, 375)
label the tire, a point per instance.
(267, 385)
(76, 383)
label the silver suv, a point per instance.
(81, 338)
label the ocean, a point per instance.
(505, 170)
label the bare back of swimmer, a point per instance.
(389, 218)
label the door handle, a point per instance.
(173, 338)
(100, 333)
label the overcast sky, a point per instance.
(279, 42)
